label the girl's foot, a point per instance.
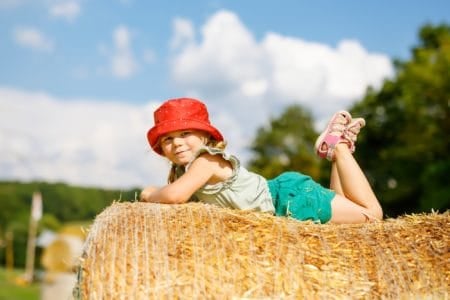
(333, 135)
(351, 132)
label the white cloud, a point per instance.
(123, 62)
(32, 38)
(310, 71)
(68, 10)
(227, 56)
(183, 33)
(247, 81)
(78, 141)
(254, 87)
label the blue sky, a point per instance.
(79, 79)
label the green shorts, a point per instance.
(299, 196)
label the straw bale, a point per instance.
(198, 251)
(62, 254)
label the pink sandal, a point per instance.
(333, 135)
(352, 131)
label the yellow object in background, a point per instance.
(59, 260)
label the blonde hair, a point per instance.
(211, 143)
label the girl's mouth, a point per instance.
(180, 152)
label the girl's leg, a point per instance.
(344, 211)
(355, 200)
(335, 181)
(336, 129)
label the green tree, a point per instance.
(62, 203)
(287, 144)
(404, 150)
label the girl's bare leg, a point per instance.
(335, 181)
(355, 200)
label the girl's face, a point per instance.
(180, 146)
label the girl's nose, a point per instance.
(177, 140)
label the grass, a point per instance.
(12, 288)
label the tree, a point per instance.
(404, 150)
(286, 144)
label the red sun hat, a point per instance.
(180, 114)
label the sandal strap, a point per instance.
(333, 135)
(330, 141)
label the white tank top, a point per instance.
(244, 190)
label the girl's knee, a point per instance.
(346, 211)
(376, 213)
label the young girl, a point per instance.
(202, 171)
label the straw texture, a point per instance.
(198, 251)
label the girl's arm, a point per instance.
(181, 190)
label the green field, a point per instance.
(11, 289)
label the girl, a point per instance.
(202, 171)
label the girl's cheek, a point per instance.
(165, 150)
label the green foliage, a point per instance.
(286, 144)
(49, 222)
(404, 149)
(19, 228)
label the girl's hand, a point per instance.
(146, 193)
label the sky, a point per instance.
(80, 79)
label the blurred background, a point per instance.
(79, 81)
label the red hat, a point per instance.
(180, 114)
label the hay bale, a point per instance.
(62, 254)
(197, 251)
(60, 259)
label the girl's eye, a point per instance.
(186, 133)
(166, 140)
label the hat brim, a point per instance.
(163, 128)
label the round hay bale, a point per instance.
(62, 254)
(198, 251)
